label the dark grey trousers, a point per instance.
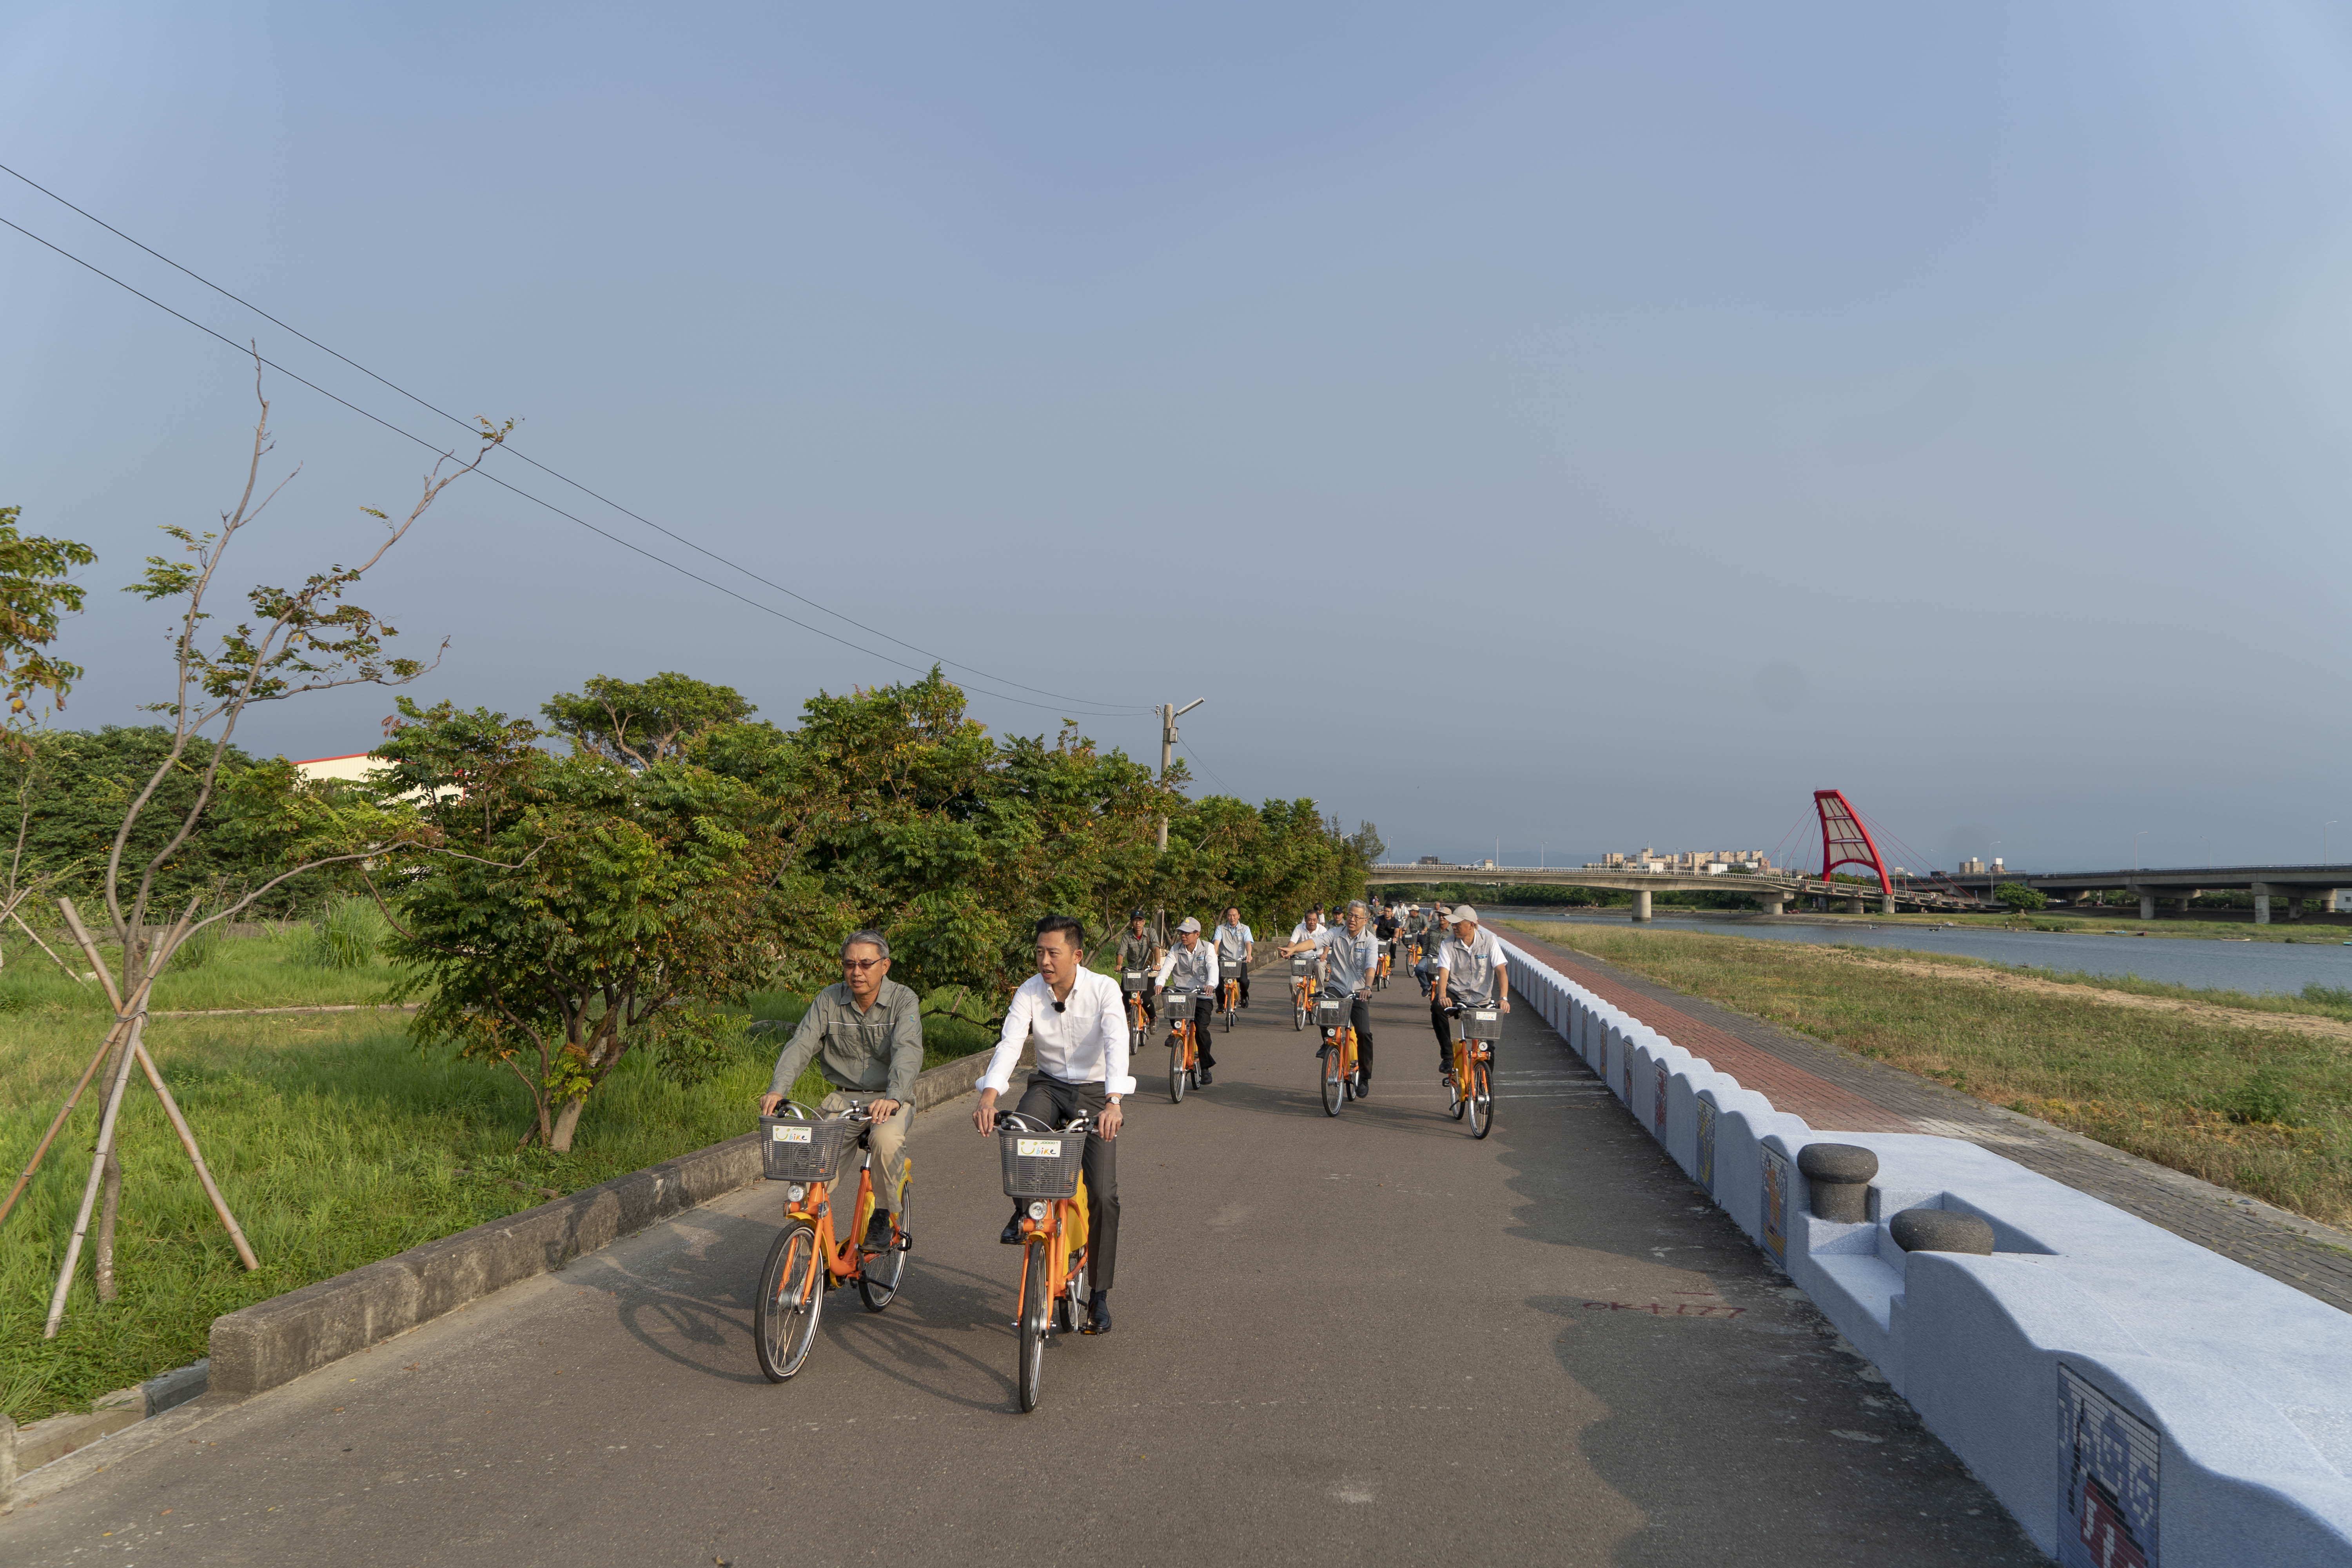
(1051, 1099)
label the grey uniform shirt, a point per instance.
(1353, 961)
(878, 1051)
(1470, 970)
(1192, 969)
(1232, 943)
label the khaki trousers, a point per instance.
(886, 1138)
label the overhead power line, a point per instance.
(1091, 706)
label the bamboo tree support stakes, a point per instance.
(45, 947)
(113, 1039)
(171, 1106)
(195, 1156)
(90, 948)
(97, 1173)
(109, 1206)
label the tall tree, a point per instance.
(639, 723)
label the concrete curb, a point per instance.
(27, 1449)
(275, 1342)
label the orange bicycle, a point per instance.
(1133, 983)
(1338, 1053)
(1229, 1002)
(1380, 979)
(1183, 1048)
(1042, 1170)
(1302, 988)
(1470, 1084)
(807, 1262)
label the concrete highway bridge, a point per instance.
(1773, 891)
(2292, 883)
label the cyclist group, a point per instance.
(865, 1034)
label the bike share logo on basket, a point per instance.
(791, 1134)
(1038, 1148)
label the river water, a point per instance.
(2257, 968)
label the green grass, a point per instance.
(240, 971)
(336, 1141)
(2126, 920)
(2264, 1110)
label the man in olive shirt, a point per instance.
(1138, 950)
(869, 1030)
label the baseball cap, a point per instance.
(1463, 913)
(1190, 925)
(1138, 915)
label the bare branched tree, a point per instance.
(303, 639)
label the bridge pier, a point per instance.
(2147, 906)
(1887, 905)
(1853, 906)
(2262, 903)
(1641, 903)
(1773, 903)
(2294, 906)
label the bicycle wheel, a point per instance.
(878, 1279)
(1482, 1100)
(1033, 1307)
(791, 1298)
(1335, 1081)
(1297, 1011)
(1454, 1103)
(1177, 1076)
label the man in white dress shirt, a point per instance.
(1076, 1019)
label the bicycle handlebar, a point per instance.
(1081, 1122)
(811, 1113)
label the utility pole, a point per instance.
(1169, 714)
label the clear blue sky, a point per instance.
(1580, 425)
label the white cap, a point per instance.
(1462, 912)
(1190, 925)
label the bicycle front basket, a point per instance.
(1327, 1012)
(1481, 1024)
(1132, 981)
(792, 1150)
(1040, 1164)
(1299, 962)
(1181, 1005)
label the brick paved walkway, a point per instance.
(1836, 1089)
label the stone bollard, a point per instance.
(1839, 1174)
(1941, 1230)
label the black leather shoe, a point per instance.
(1206, 1077)
(1363, 1088)
(1099, 1322)
(1011, 1234)
(877, 1230)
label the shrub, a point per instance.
(2262, 1098)
(2017, 896)
(196, 952)
(344, 936)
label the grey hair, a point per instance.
(1355, 904)
(872, 939)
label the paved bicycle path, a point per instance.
(1349, 1340)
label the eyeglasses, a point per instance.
(862, 964)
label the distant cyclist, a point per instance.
(1471, 972)
(1191, 965)
(1431, 936)
(1236, 945)
(1353, 956)
(1139, 950)
(1386, 927)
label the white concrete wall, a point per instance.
(2246, 1383)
